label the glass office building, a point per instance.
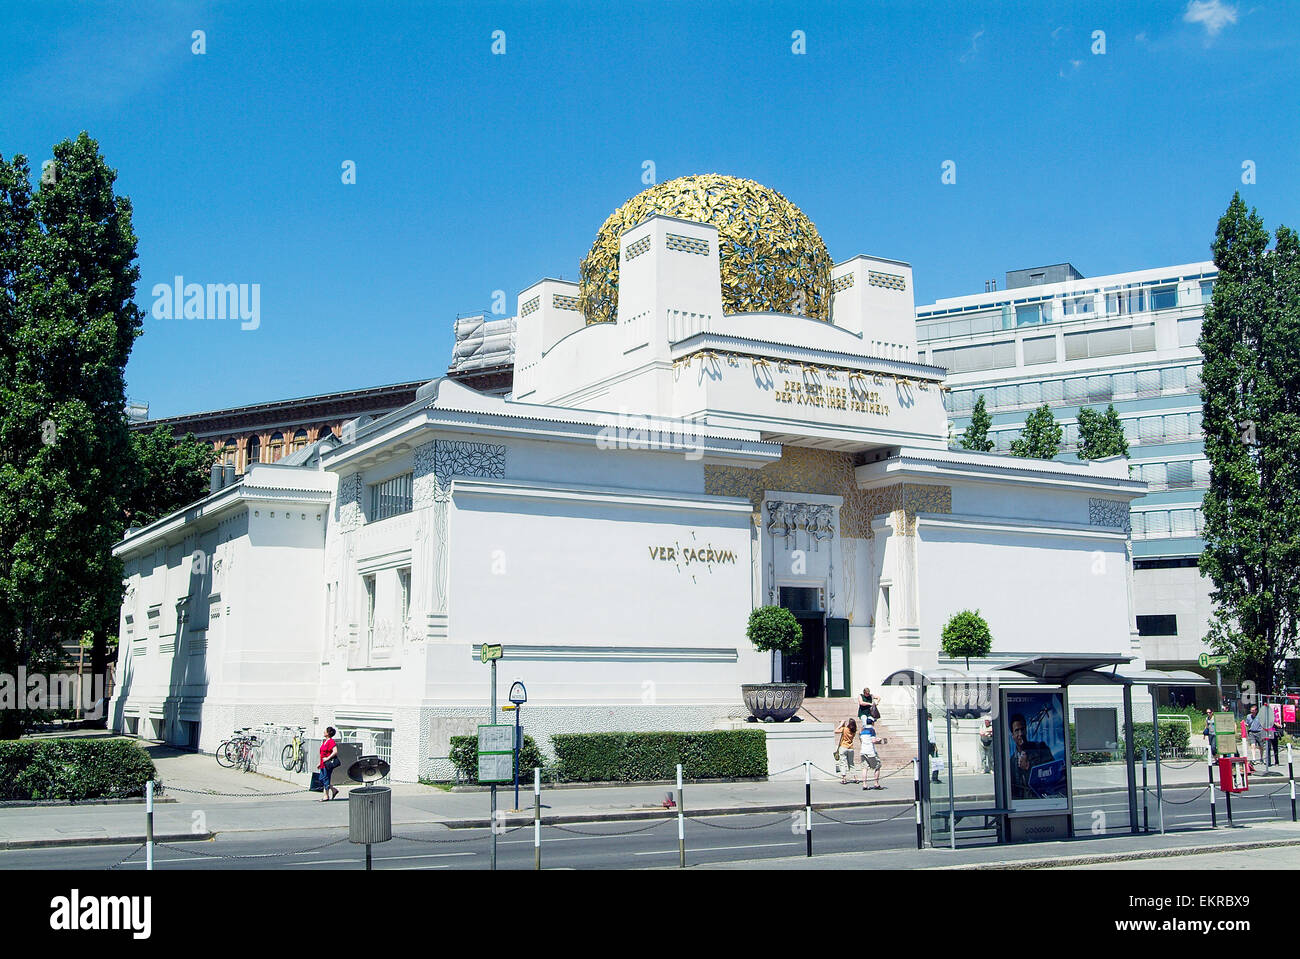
(1053, 336)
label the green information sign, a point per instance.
(1206, 660)
(488, 653)
(496, 753)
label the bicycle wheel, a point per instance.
(287, 759)
(223, 756)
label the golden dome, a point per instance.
(772, 258)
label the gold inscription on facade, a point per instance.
(830, 397)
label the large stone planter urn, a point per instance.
(773, 702)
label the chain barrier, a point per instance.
(907, 810)
(783, 818)
(504, 832)
(122, 861)
(782, 772)
(1194, 762)
(629, 832)
(253, 855)
(164, 789)
(1183, 802)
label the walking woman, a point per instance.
(329, 761)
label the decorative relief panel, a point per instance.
(842, 282)
(457, 458)
(636, 249)
(531, 306)
(814, 520)
(350, 514)
(686, 244)
(561, 302)
(889, 281)
(909, 499)
(424, 483)
(1109, 512)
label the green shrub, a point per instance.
(648, 757)
(73, 769)
(1172, 736)
(464, 756)
(966, 635)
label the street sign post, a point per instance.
(490, 654)
(1205, 660)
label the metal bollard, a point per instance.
(916, 793)
(1214, 813)
(681, 819)
(807, 803)
(537, 818)
(1145, 827)
(370, 816)
(148, 824)
(1290, 775)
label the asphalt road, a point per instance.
(615, 845)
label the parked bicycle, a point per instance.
(294, 756)
(227, 754)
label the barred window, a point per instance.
(391, 497)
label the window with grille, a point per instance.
(392, 497)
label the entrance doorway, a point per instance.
(808, 664)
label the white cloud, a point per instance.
(1214, 15)
(970, 54)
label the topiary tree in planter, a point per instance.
(773, 628)
(966, 635)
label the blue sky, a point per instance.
(477, 172)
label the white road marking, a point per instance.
(674, 852)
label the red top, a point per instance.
(327, 747)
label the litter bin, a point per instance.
(370, 814)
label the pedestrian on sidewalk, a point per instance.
(844, 749)
(1255, 735)
(329, 761)
(986, 744)
(1208, 733)
(936, 761)
(870, 759)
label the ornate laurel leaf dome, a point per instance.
(772, 258)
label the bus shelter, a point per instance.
(1028, 708)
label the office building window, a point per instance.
(1207, 288)
(1040, 349)
(1079, 306)
(1161, 625)
(1029, 314)
(1163, 297)
(391, 497)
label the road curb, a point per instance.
(1135, 855)
(10, 844)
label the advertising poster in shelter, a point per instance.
(1035, 737)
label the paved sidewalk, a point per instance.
(210, 799)
(1081, 851)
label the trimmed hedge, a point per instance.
(73, 769)
(647, 757)
(1173, 735)
(464, 756)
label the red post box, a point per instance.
(1234, 774)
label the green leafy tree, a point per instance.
(170, 473)
(1041, 436)
(976, 436)
(774, 627)
(1250, 395)
(67, 323)
(1101, 434)
(966, 635)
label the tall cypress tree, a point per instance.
(1250, 394)
(976, 436)
(1101, 434)
(1041, 436)
(67, 324)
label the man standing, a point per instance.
(986, 745)
(1256, 736)
(1028, 754)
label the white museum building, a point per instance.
(716, 417)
